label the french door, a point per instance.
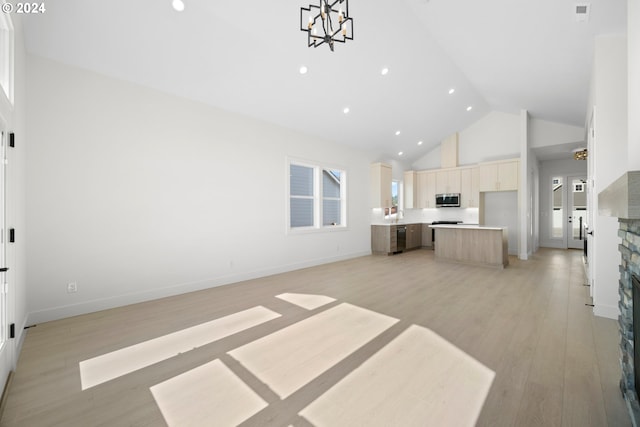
(576, 211)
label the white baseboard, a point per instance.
(610, 312)
(92, 306)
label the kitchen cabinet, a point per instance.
(410, 190)
(448, 181)
(380, 185)
(470, 187)
(499, 176)
(426, 183)
(472, 245)
(414, 236)
(427, 236)
(384, 240)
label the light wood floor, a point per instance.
(555, 363)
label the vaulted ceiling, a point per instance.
(245, 56)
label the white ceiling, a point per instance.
(244, 56)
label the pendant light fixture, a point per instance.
(327, 23)
(580, 154)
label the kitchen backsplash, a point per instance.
(468, 216)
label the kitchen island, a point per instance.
(473, 244)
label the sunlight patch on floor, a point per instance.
(306, 301)
(290, 358)
(112, 365)
(208, 395)
(417, 379)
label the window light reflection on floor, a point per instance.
(417, 379)
(306, 301)
(208, 395)
(129, 359)
(291, 357)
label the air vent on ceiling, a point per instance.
(582, 11)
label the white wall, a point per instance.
(16, 190)
(633, 52)
(501, 209)
(498, 136)
(135, 194)
(548, 170)
(431, 160)
(609, 100)
(543, 133)
(495, 136)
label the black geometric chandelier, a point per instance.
(327, 23)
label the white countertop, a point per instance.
(419, 222)
(398, 223)
(468, 226)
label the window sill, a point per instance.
(313, 230)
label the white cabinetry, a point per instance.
(426, 183)
(499, 176)
(448, 181)
(470, 187)
(410, 190)
(421, 187)
(380, 185)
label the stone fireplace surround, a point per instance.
(622, 200)
(629, 232)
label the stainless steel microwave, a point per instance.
(449, 200)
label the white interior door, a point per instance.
(576, 211)
(6, 352)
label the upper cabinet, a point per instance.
(447, 181)
(426, 183)
(410, 190)
(499, 176)
(470, 187)
(421, 187)
(380, 185)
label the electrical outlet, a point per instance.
(72, 287)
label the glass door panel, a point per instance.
(577, 212)
(557, 204)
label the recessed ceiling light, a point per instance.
(178, 5)
(419, 142)
(346, 110)
(400, 153)
(451, 91)
(303, 69)
(397, 132)
(384, 71)
(469, 108)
